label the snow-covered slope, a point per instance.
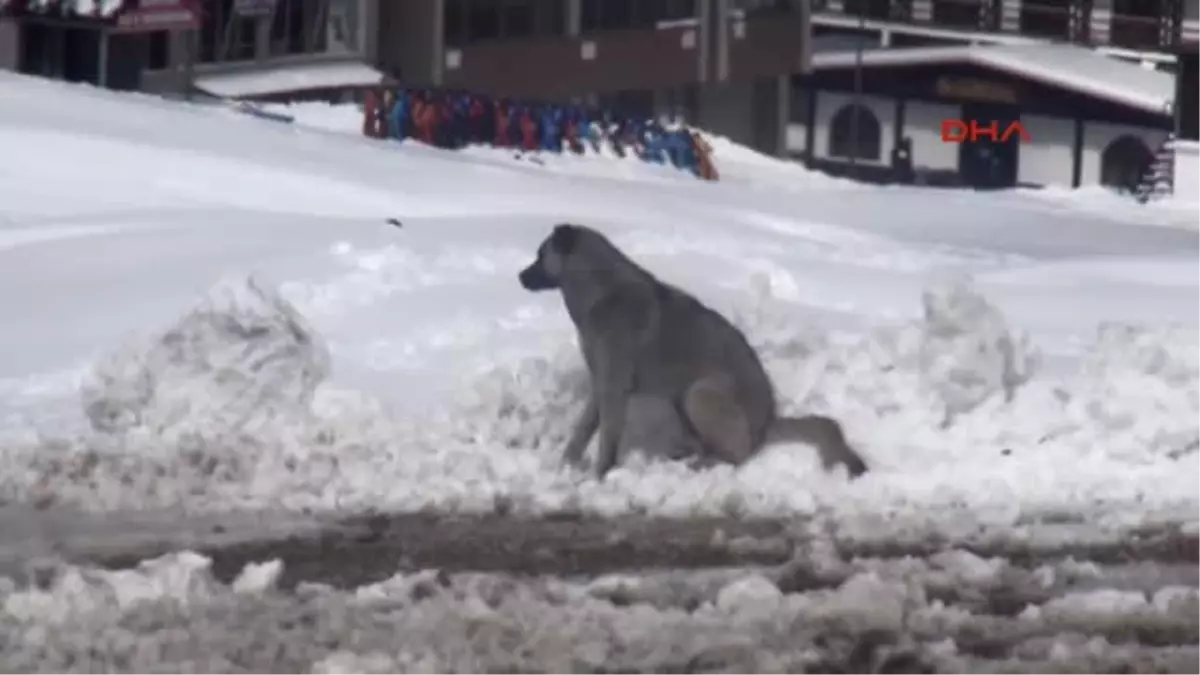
(451, 387)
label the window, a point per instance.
(517, 18)
(158, 50)
(1125, 162)
(1136, 23)
(1046, 18)
(632, 14)
(454, 23)
(870, 9)
(483, 20)
(854, 133)
(957, 13)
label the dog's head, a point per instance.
(547, 271)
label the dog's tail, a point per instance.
(823, 433)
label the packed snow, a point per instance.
(207, 311)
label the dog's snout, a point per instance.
(533, 278)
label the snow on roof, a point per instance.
(280, 79)
(94, 8)
(1068, 66)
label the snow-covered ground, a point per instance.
(449, 386)
(205, 311)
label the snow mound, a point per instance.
(968, 351)
(242, 359)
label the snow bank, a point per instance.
(242, 360)
(226, 410)
(968, 352)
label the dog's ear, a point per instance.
(563, 238)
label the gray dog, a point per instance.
(668, 374)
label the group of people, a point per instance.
(454, 120)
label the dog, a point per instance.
(668, 374)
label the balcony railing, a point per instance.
(1068, 20)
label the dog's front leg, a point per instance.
(612, 392)
(584, 429)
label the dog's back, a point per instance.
(692, 341)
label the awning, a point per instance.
(150, 15)
(128, 16)
(265, 81)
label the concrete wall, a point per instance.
(1187, 171)
(923, 124)
(10, 45)
(1048, 158)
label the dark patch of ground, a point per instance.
(372, 548)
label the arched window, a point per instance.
(1125, 162)
(846, 141)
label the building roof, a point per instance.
(1067, 66)
(261, 81)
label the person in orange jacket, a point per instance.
(704, 154)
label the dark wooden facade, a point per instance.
(613, 46)
(559, 67)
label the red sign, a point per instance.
(963, 131)
(151, 15)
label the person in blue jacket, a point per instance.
(401, 116)
(654, 141)
(552, 128)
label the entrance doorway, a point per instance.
(987, 163)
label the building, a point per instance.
(225, 48)
(722, 64)
(1087, 119)
(1146, 31)
(1185, 151)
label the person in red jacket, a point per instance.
(502, 112)
(529, 140)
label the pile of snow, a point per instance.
(968, 353)
(240, 362)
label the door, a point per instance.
(989, 161)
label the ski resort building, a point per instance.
(226, 48)
(722, 64)
(1074, 117)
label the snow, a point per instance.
(451, 388)
(288, 78)
(1082, 69)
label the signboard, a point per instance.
(254, 7)
(152, 15)
(971, 89)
